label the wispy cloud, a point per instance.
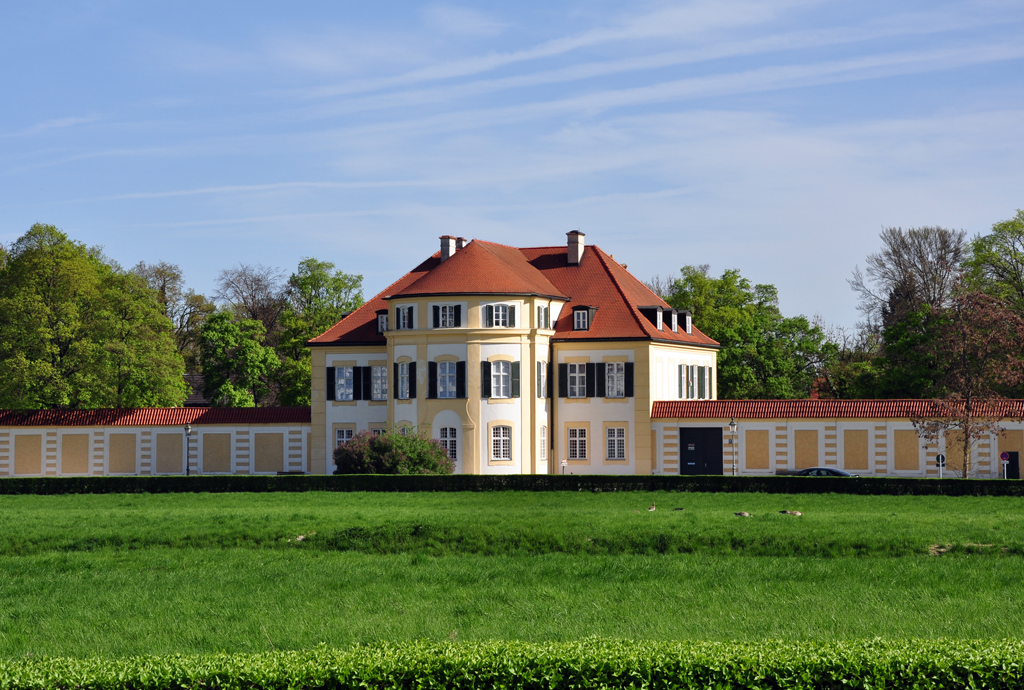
(48, 125)
(461, 21)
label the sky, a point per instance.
(776, 137)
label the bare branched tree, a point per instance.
(914, 267)
(254, 292)
(186, 309)
(662, 287)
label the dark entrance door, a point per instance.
(1013, 467)
(700, 450)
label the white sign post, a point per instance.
(940, 461)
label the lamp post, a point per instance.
(188, 447)
(732, 443)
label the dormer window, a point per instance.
(582, 318)
(660, 320)
(382, 321)
(405, 318)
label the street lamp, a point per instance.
(732, 443)
(188, 447)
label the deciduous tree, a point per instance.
(978, 355)
(237, 366)
(78, 332)
(764, 354)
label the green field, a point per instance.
(130, 574)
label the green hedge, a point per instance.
(879, 486)
(586, 664)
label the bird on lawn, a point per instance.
(791, 512)
(652, 508)
(742, 513)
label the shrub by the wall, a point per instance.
(392, 453)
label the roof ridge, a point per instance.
(632, 309)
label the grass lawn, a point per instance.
(133, 574)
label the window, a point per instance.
(542, 379)
(378, 432)
(447, 316)
(448, 441)
(578, 443)
(499, 316)
(543, 317)
(501, 443)
(379, 383)
(702, 387)
(616, 443)
(342, 436)
(403, 381)
(543, 443)
(580, 320)
(501, 379)
(403, 430)
(343, 389)
(446, 379)
(404, 316)
(615, 379)
(382, 323)
(577, 380)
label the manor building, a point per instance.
(519, 360)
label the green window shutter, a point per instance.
(331, 386)
(515, 379)
(485, 379)
(488, 316)
(511, 316)
(629, 379)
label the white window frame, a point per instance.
(501, 379)
(543, 317)
(543, 443)
(382, 323)
(449, 438)
(403, 381)
(615, 379)
(581, 320)
(343, 436)
(500, 316)
(343, 384)
(615, 442)
(378, 432)
(542, 381)
(405, 318)
(446, 380)
(379, 382)
(446, 317)
(501, 443)
(577, 380)
(577, 443)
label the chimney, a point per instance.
(460, 242)
(447, 247)
(576, 247)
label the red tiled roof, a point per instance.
(812, 409)
(600, 281)
(482, 268)
(156, 416)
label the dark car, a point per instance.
(823, 472)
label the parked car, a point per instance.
(823, 472)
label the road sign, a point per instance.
(940, 460)
(1004, 456)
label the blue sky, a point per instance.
(774, 137)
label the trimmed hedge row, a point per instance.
(879, 486)
(585, 664)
